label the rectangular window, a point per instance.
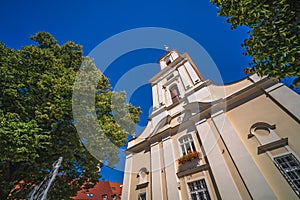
(142, 196)
(198, 190)
(289, 166)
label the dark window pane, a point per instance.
(193, 146)
(188, 148)
(194, 197)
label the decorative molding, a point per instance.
(273, 145)
(142, 185)
(192, 170)
(262, 125)
(166, 138)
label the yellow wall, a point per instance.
(263, 109)
(140, 160)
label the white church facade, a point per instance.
(207, 141)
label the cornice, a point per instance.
(206, 109)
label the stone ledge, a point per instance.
(273, 145)
(192, 171)
(142, 185)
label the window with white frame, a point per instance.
(186, 144)
(142, 196)
(289, 166)
(198, 190)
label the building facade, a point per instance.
(207, 141)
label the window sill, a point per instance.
(142, 185)
(189, 171)
(273, 145)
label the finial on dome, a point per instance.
(166, 47)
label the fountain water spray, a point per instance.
(40, 191)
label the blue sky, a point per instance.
(92, 22)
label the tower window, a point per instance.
(198, 190)
(186, 144)
(168, 60)
(174, 94)
(289, 166)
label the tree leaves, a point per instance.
(37, 124)
(101, 116)
(274, 37)
(24, 137)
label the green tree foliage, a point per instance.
(37, 124)
(274, 36)
(101, 117)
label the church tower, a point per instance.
(207, 141)
(178, 74)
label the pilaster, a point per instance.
(156, 167)
(222, 175)
(170, 170)
(250, 173)
(127, 177)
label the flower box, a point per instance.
(189, 157)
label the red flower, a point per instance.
(189, 157)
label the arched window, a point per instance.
(174, 94)
(186, 144)
(168, 60)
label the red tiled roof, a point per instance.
(116, 189)
(101, 188)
